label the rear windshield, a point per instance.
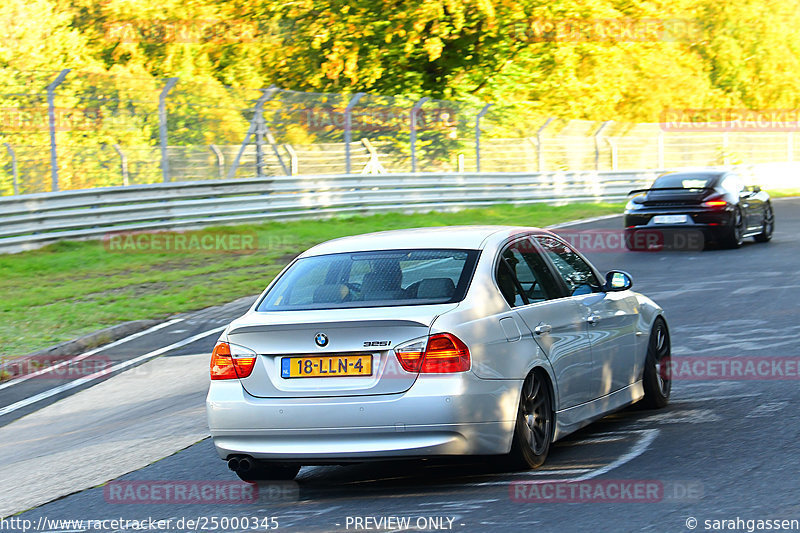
(373, 279)
(685, 181)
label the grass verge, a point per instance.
(72, 288)
(786, 193)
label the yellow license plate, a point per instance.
(326, 366)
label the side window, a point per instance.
(522, 275)
(576, 273)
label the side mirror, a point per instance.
(617, 280)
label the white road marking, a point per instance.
(551, 472)
(709, 398)
(87, 354)
(705, 386)
(690, 416)
(767, 409)
(593, 440)
(581, 221)
(459, 504)
(648, 436)
(104, 373)
(760, 288)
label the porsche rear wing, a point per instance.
(636, 191)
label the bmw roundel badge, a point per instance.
(321, 339)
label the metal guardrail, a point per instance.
(31, 221)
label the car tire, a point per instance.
(657, 376)
(735, 235)
(533, 432)
(767, 226)
(269, 472)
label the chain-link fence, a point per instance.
(73, 130)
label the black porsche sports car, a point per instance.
(714, 202)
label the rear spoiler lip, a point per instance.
(671, 189)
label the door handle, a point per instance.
(542, 328)
(593, 319)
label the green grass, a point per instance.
(69, 289)
(784, 193)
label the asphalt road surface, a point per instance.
(723, 450)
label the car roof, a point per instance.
(445, 237)
(705, 174)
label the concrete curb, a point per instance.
(581, 221)
(82, 344)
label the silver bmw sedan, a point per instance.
(428, 342)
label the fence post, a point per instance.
(259, 118)
(614, 155)
(51, 119)
(539, 151)
(478, 136)
(220, 160)
(123, 163)
(414, 110)
(162, 126)
(347, 127)
(597, 143)
(293, 166)
(256, 124)
(276, 151)
(14, 178)
(263, 131)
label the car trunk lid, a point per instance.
(340, 352)
(676, 197)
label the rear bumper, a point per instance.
(704, 219)
(456, 414)
(701, 227)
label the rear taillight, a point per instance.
(225, 365)
(715, 203)
(442, 353)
